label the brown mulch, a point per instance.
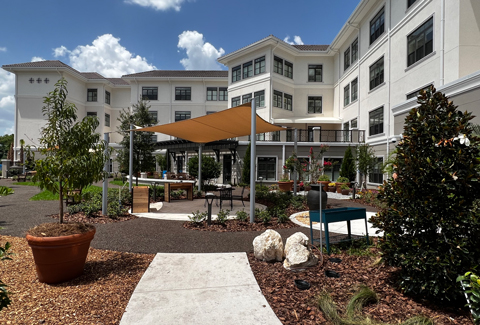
(59, 229)
(99, 296)
(237, 225)
(294, 306)
(96, 218)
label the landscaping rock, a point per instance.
(268, 246)
(298, 255)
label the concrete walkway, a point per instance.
(215, 288)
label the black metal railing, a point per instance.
(350, 136)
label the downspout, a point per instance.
(170, 99)
(271, 83)
(442, 44)
(358, 77)
(15, 131)
(389, 75)
(205, 94)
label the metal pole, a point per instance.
(130, 162)
(321, 224)
(295, 135)
(253, 154)
(105, 178)
(200, 167)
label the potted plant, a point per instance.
(284, 183)
(73, 157)
(324, 180)
(345, 189)
(331, 187)
(341, 181)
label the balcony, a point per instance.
(350, 136)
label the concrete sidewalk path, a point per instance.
(217, 288)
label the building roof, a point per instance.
(311, 47)
(92, 75)
(179, 74)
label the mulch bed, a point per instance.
(96, 218)
(232, 225)
(294, 306)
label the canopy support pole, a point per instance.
(105, 177)
(130, 163)
(253, 154)
(295, 173)
(200, 167)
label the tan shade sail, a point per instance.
(229, 123)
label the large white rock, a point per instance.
(268, 246)
(298, 255)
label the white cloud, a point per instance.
(200, 55)
(7, 101)
(3, 49)
(105, 56)
(37, 58)
(162, 5)
(297, 40)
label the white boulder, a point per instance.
(268, 246)
(298, 255)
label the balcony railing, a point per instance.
(350, 136)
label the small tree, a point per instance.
(162, 162)
(74, 156)
(348, 165)
(246, 166)
(432, 226)
(365, 160)
(143, 146)
(210, 168)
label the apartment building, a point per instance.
(356, 90)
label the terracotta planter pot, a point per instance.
(325, 185)
(285, 186)
(59, 259)
(331, 189)
(338, 185)
(345, 192)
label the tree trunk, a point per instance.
(61, 201)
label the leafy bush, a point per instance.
(158, 189)
(471, 286)
(324, 178)
(242, 215)
(222, 216)
(4, 299)
(265, 216)
(210, 168)
(115, 209)
(198, 217)
(431, 226)
(282, 217)
(4, 191)
(348, 169)
(342, 179)
(92, 203)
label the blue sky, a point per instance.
(115, 37)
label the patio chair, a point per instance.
(226, 195)
(239, 197)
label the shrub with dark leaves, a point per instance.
(432, 226)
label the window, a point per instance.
(247, 70)
(183, 93)
(236, 73)
(260, 137)
(346, 95)
(377, 26)
(353, 123)
(92, 114)
(410, 2)
(416, 93)
(355, 50)
(150, 93)
(267, 168)
(275, 136)
(91, 95)
(211, 112)
(260, 65)
(154, 116)
(153, 138)
(211, 93)
(420, 42)
(310, 134)
(376, 175)
(277, 99)
(354, 89)
(107, 119)
(246, 98)
(346, 59)
(376, 121)
(288, 70)
(259, 98)
(107, 97)
(289, 135)
(182, 115)
(235, 101)
(287, 102)
(346, 131)
(223, 94)
(376, 74)
(278, 65)
(315, 104)
(315, 73)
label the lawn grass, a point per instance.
(119, 183)
(46, 195)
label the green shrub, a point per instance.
(471, 286)
(242, 215)
(431, 227)
(198, 217)
(282, 218)
(324, 178)
(4, 299)
(342, 179)
(265, 216)
(4, 191)
(348, 169)
(115, 209)
(222, 216)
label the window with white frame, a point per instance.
(410, 3)
(182, 115)
(287, 102)
(314, 104)
(154, 116)
(150, 93)
(376, 121)
(277, 98)
(107, 119)
(417, 92)
(260, 65)
(376, 74)
(346, 59)
(278, 65)
(91, 95)
(223, 93)
(235, 101)
(376, 175)
(354, 47)
(259, 98)
(267, 168)
(346, 95)
(236, 73)
(107, 97)
(354, 89)
(350, 55)
(288, 71)
(183, 93)
(377, 25)
(353, 123)
(211, 93)
(420, 42)
(247, 70)
(246, 98)
(92, 114)
(315, 72)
